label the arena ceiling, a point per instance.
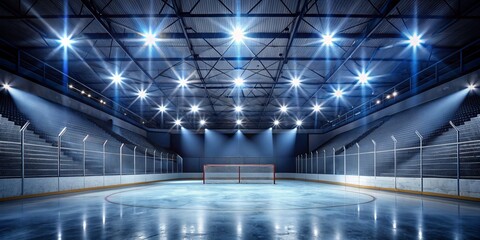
(313, 60)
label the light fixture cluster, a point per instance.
(298, 122)
(87, 94)
(387, 97)
(239, 82)
(6, 86)
(66, 41)
(238, 36)
(117, 78)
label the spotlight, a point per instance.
(239, 82)
(299, 122)
(142, 94)
(203, 122)
(388, 96)
(395, 93)
(194, 108)
(295, 82)
(117, 78)
(178, 122)
(276, 122)
(150, 39)
(89, 95)
(471, 87)
(183, 82)
(65, 41)
(238, 35)
(378, 101)
(317, 108)
(328, 39)
(338, 93)
(283, 108)
(6, 86)
(70, 86)
(363, 78)
(82, 92)
(238, 109)
(415, 40)
(239, 122)
(162, 108)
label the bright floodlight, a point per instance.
(299, 122)
(203, 122)
(415, 40)
(238, 109)
(194, 108)
(238, 35)
(6, 86)
(178, 122)
(142, 94)
(183, 82)
(150, 39)
(328, 39)
(296, 82)
(363, 78)
(239, 122)
(471, 87)
(317, 108)
(65, 41)
(378, 101)
(395, 93)
(283, 108)
(338, 93)
(117, 78)
(239, 82)
(162, 108)
(276, 122)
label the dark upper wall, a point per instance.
(161, 139)
(216, 147)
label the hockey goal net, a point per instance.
(239, 173)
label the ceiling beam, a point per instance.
(291, 38)
(226, 35)
(367, 33)
(98, 17)
(213, 59)
(193, 54)
(235, 15)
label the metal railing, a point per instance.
(26, 155)
(441, 155)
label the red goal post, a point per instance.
(238, 173)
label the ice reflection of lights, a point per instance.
(104, 217)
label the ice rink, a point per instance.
(192, 210)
